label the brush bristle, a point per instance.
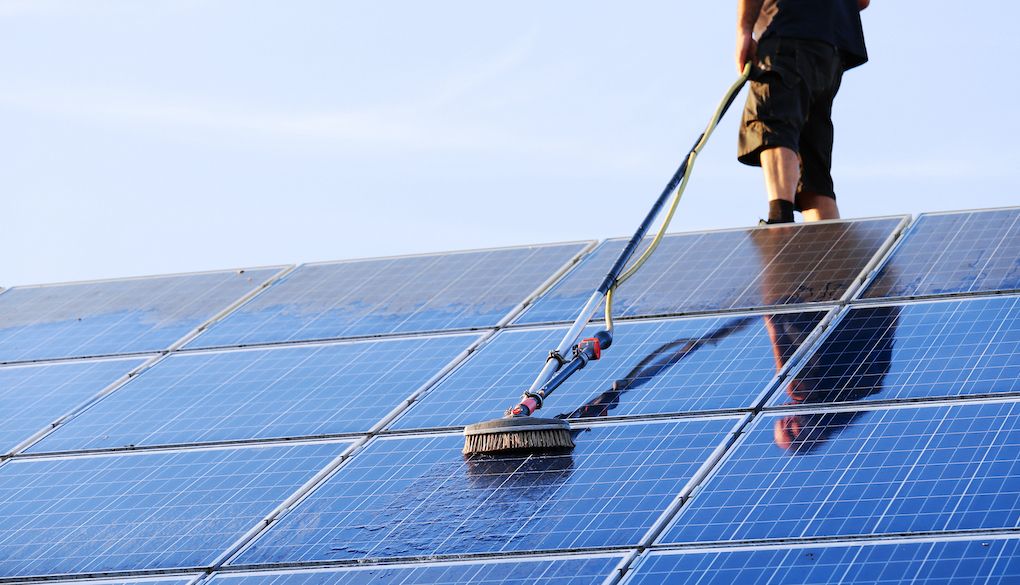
(518, 440)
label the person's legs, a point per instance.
(781, 167)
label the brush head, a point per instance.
(517, 434)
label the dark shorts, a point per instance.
(793, 84)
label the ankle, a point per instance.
(780, 211)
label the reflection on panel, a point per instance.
(395, 295)
(117, 316)
(653, 367)
(934, 349)
(32, 397)
(974, 562)
(520, 571)
(726, 270)
(160, 510)
(260, 394)
(891, 471)
(956, 252)
(405, 497)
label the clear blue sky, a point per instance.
(145, 137)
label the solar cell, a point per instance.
(392, 295)
(917, 350)
(116, 316)
(258, 394)
(973, 251)
(734, 269)
(864, 472)
(415, 496)
(520, 571)
(653, 367)
(32, 397)
(964, 562)
(155, 510)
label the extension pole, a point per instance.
(552, 364)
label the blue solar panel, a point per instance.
(933, 349)
(903, 470)
(965, 562)
(416, 496)
(736, 269)
(520, 571)
(117, 316)
(955, 252)
(158, 510)
(395, 295)
(259, 394)
(653, 367)
(32, 397)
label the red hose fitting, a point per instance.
(527, 407)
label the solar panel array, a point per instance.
(836, 402)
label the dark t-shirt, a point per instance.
(837, 22)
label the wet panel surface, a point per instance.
(653, 367)
(945, 468)
(726, 270)
(971, 251)
(32, 397)
(161, 510)
(260, 394)
(418, 496)
(396, 295)
(117, 316)
(970, 562)
(590, 571)
(934, 349)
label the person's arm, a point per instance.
(862, 4)
(747, 15)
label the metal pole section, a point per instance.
(569, 339)
(642, 230)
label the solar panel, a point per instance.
(519, 571)
(393, 295)
(32, 397)
(116, 316)
(865, 472)
(918, 350)
(954, 252)
(653, 367)
(415, 496)
(974, 562)
(734, 269)
(260, 394)
(155, 510)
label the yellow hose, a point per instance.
(716, 117)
